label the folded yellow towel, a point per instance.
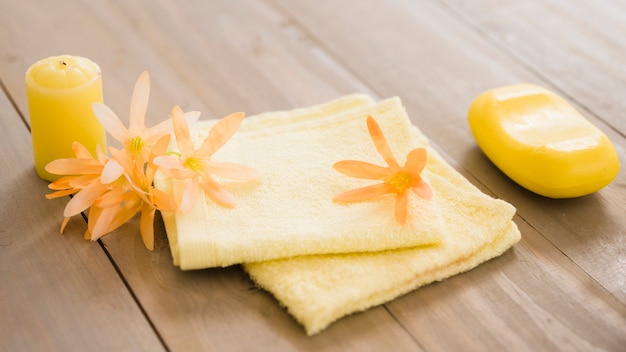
(290, 211)
(318, 290)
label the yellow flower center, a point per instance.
(399, 181)
(136, 145)
(194, 164)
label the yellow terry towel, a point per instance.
(318, 289)
(290, 211)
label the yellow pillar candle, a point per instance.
(60, 91)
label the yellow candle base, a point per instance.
(60, 91)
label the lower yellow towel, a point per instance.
(290, 211)
(318, 290)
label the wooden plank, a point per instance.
(218, 57)
(57, 292)
(529, 299)
(576, 48)
(221, 309)
(215, 68)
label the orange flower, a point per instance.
(111, 203)
(137, 139)
(115, 189)
(135, 195)
(85, 179)
(197, 167)
(396, 179)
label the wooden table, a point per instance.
(563, 287)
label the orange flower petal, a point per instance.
(154, 133)
(84, 199)
(110, 122)
(160, 146)
(217, 192)
(104, 224)
(139, 104)
(381, 144)
(74, 166)
(190, 194)
(362, 169)
(423, 190)
(83, 181)
(92, 220)
(102, 158)
(163, 201)
(178, 173)
(64, 223)
(62, 193)
(111, 172)
(168, 162)
(81, 151)
(146, 226)
(402, 202)
(364, 193)
(233, 171)
(181, 131)
(110, 219)
(111, 198)
(123, 158)
(416, 162)
(62, 183)
(221, 132)
(150, 171)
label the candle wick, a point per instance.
(63, 63)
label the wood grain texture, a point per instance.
(579, 49)
(561, 288)
(221, 309)
(516, 302)
(57, 292)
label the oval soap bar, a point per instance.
(541, 142)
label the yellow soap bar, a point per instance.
(541, 142)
